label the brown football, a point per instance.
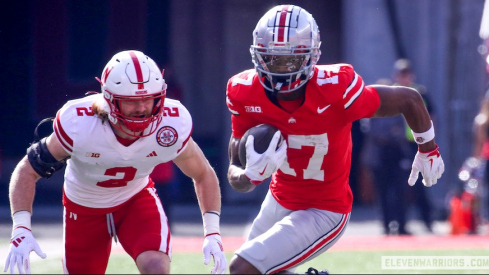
(263, 134)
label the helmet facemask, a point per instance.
(283, 71)
(135, 126)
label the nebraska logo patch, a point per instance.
(166, 136)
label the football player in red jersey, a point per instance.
(111, 142)
(309, 201)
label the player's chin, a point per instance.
(138, 117)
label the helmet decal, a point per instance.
(282, 23)
(106, 73)
(137, 68)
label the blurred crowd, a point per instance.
(383, 149)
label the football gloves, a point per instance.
(260, 167)
(213, 246)
(431, 166)
(21, 245)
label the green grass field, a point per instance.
(337, 262)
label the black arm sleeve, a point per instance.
(42, 160)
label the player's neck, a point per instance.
(295, 95)
(291, 105)
(124, 141)
(122, 137)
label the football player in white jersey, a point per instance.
(111, 141)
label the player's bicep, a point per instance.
(392, 99)
(192, 161)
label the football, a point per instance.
(263, 135)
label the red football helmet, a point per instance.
(133, 76)
(285, 48)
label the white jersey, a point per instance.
(102, 172)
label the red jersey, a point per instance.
(318, 133)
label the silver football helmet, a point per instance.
(285, 48)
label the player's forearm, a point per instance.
(409, 103)
(208, 192)
(22, 187)
(238, 180)
(417, 117)
(415, 113)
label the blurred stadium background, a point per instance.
(52, 50)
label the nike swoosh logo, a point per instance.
(263, 172)
(320, 110)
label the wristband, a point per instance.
(422, 138)
(211, 222)
(21, 219)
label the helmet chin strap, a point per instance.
(280, 82)
(135, 126)
(130, 128)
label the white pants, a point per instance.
(282, 239)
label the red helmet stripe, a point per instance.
(139, 72)
(283, 24)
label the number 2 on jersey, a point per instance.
(320, 144)
(128, 174)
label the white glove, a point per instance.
(431, 166)
(213, 246)
(21, 245)
(260, 167)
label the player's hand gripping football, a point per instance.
(431, 166)
(260, 167)
(21, 245)
(213, 247)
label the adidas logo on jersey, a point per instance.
(152, 154)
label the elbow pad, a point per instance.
(42, 160)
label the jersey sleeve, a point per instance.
(238, 122)
(185, 123)
(359, 101)
(64, 127)
(235, 90)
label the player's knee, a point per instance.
(239, 265)
(235, 266)
(153, 262)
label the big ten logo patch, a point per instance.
(253, 109)
(167, 136)
(92, 155)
